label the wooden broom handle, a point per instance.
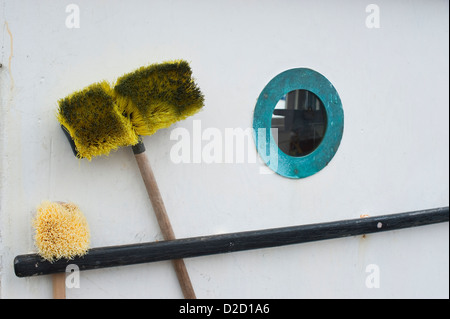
(59, 285)
(162, 217)
(59, 280)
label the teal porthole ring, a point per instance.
(280, 85)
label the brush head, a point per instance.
(100, 119)
(61, 231)
(95, 122)
(156, 96)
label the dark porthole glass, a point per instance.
(300, 119)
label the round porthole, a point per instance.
(298, 123)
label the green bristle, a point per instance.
(100, 119)
(158, 95)
(94, 121)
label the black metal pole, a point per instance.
(102, 257)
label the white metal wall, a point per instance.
(394, 156)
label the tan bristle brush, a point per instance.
(61, 231)
(102, 118)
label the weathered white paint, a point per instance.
(394, 156)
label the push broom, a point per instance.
(102, 118)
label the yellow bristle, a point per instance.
(61, 231)
(156, 96)
(95, 122)
(100, 119)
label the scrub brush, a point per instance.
(61, 231)
(158, 95)
(101, 118)
(139, 103)
(95, 122)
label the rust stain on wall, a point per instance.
(10, 54)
